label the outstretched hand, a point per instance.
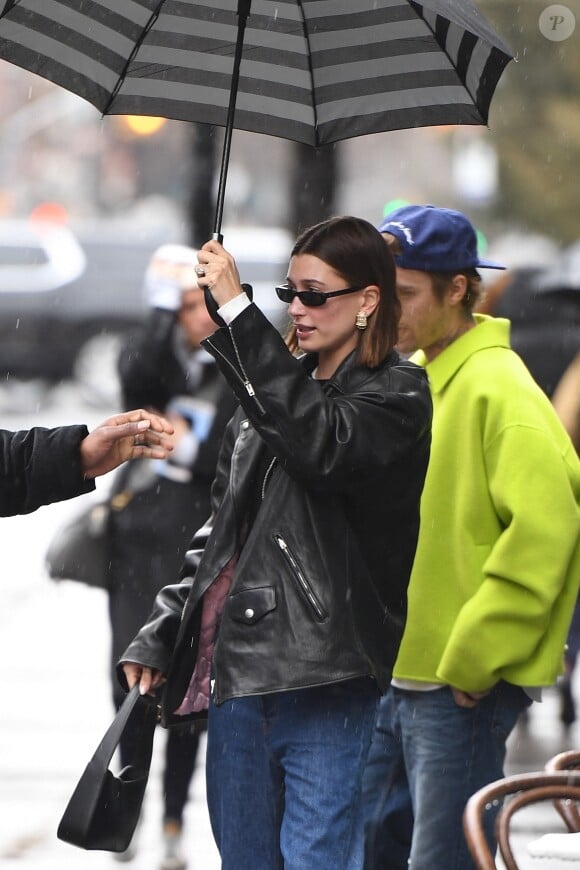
(132, 435)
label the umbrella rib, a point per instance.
(138, 43)
(310, 70)
(417, 5)
(9, 5)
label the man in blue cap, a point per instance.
(497, 565)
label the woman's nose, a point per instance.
(296, 307)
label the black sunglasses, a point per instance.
(311, 298)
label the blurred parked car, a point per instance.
(67, 300)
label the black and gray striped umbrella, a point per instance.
(315, 71)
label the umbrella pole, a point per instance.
(243, 13)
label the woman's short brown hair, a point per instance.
(356, 250)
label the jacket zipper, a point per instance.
(301, 579)
(243, 378)
(267, 476)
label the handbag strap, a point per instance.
(113, 734)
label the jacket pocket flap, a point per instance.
(250, 605)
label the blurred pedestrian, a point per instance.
(544, 323)
(497, 567)
(566, 401)
(157, 506)
(41, 466)
(292, 599)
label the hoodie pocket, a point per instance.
(300, 578)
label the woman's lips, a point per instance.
(304, 331)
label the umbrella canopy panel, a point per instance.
(314, 71)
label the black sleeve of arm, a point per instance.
(153, 645)
(40, 466)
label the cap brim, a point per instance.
(488, 264)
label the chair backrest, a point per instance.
(526, 788)
(568, 810)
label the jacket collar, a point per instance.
(489, 332)
(348, 367)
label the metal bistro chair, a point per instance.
(525, 788)
(568, 809)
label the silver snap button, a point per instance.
(246, 424)
(248, 613)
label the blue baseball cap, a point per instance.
(434, 239)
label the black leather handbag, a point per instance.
(79, 549)
(104, 809)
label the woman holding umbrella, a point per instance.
(288, 618)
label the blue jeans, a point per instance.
(428, 756)
(284, 777)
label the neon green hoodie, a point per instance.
(497, 567)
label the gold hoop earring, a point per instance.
(361, 320)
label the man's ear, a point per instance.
(458, 287)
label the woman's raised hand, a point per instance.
(218, 272)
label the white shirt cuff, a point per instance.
(230, 310)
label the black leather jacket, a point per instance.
(319, 585)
